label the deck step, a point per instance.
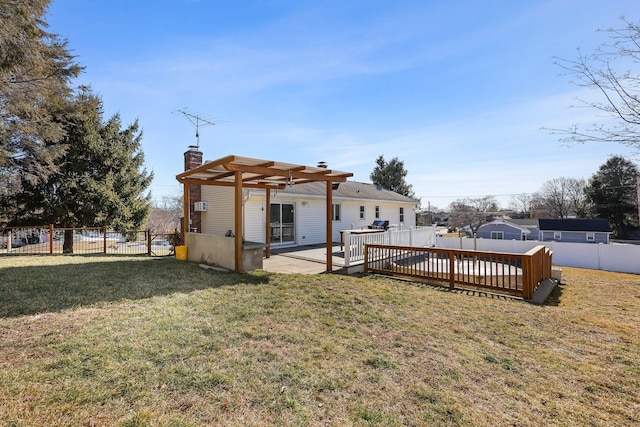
(543, 291)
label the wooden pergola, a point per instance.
(245, 172)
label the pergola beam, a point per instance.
(287, 173)
(273, 186)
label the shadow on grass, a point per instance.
(555, 296)
(93, 280)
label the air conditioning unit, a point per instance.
(200, 206)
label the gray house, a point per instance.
(504, 230)
(575, 230)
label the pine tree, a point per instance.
(612, 194)
(391, 176)
(100, 180)
(36, 69)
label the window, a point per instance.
(361, 212)
(557, 235)
(591, 237)
(377, 212)
(497, 235)
(335, 215)
(401, 214)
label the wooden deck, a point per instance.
(511, 274)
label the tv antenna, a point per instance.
(197, 120)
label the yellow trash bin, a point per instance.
(181, 253)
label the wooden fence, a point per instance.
(48, 240)
(508, 273)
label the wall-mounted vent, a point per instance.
(200, 206)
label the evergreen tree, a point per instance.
(391, 176)
(35, 72)
(101, 178)
(612, 194)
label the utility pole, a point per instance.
(638, 189)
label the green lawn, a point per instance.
(137, 341)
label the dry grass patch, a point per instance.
(144, 342)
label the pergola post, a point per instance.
(329, 236)
(238, 220)
(185, 213)
(267, 210)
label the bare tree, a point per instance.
(607, 72)
(563, 197)
(521, 203)
(165, 215)
(577, 197)
(539, 207)
(472, 213)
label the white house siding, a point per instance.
(392, 213)
(310, 222)
(219, 216)
(254, 219)
(388, 211)
(310, 214)
(349, 216)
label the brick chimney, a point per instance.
(193, 159)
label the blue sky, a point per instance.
(458, 90)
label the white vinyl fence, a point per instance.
(610, 257)
(415, 237)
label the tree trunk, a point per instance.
(621, 228)
(67, 246)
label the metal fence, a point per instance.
(49, 240)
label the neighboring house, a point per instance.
(298, 212)
(575, 230)
(503, 230)
(530, 224)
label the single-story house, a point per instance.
(267, 203)
(530, 224)
(297, 213)
(504, 230)
(575, 230)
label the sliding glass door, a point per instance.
(282, 226)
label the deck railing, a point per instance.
(416, 236)
(513, 274)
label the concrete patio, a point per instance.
(303, 260)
